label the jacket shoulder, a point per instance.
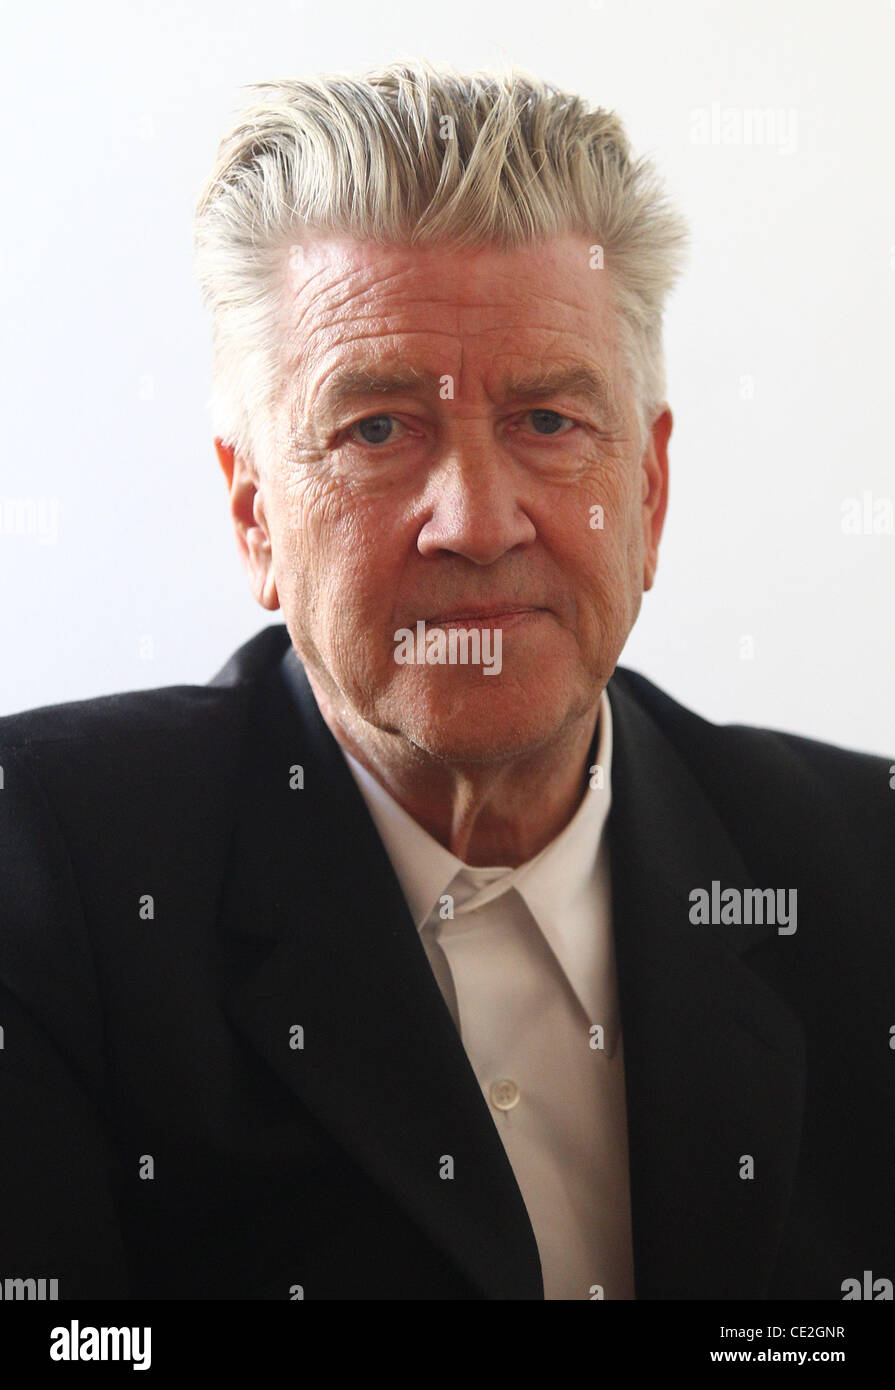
(126, 717)
(139, 719)
(779, 788)
(103, 762)
(748, 744)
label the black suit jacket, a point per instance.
(173, 904)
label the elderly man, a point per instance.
(426, 953)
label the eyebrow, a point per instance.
(587, 383)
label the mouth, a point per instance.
(484, 617)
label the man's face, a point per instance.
(464, 490)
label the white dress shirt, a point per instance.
(525, 961)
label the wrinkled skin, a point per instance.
(442, 501)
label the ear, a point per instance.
(250, 523)
(654, 473)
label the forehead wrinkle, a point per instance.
(325, 318)
(359, 374)
(328, 300)
(341, 380)
(343, 294)
(429, 264)
(344, 289)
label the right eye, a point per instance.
(375, 429)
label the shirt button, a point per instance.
(504, 1094)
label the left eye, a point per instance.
(549, 421)
(374, 425)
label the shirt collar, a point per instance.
(551, 883)
(566, 887)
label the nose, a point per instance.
(472, 506)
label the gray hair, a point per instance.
(414, 154)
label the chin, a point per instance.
(477, 725)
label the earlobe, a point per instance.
(259, 556)
(267, 595)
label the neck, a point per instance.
(502, 813)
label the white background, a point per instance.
(779, 337)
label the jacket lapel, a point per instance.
(714, 1059)
(320, 937)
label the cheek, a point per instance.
(606, 562)
(622, 537)
(610, 520)
(314, 512)
(339, 550)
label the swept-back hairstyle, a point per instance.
(419, 154)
